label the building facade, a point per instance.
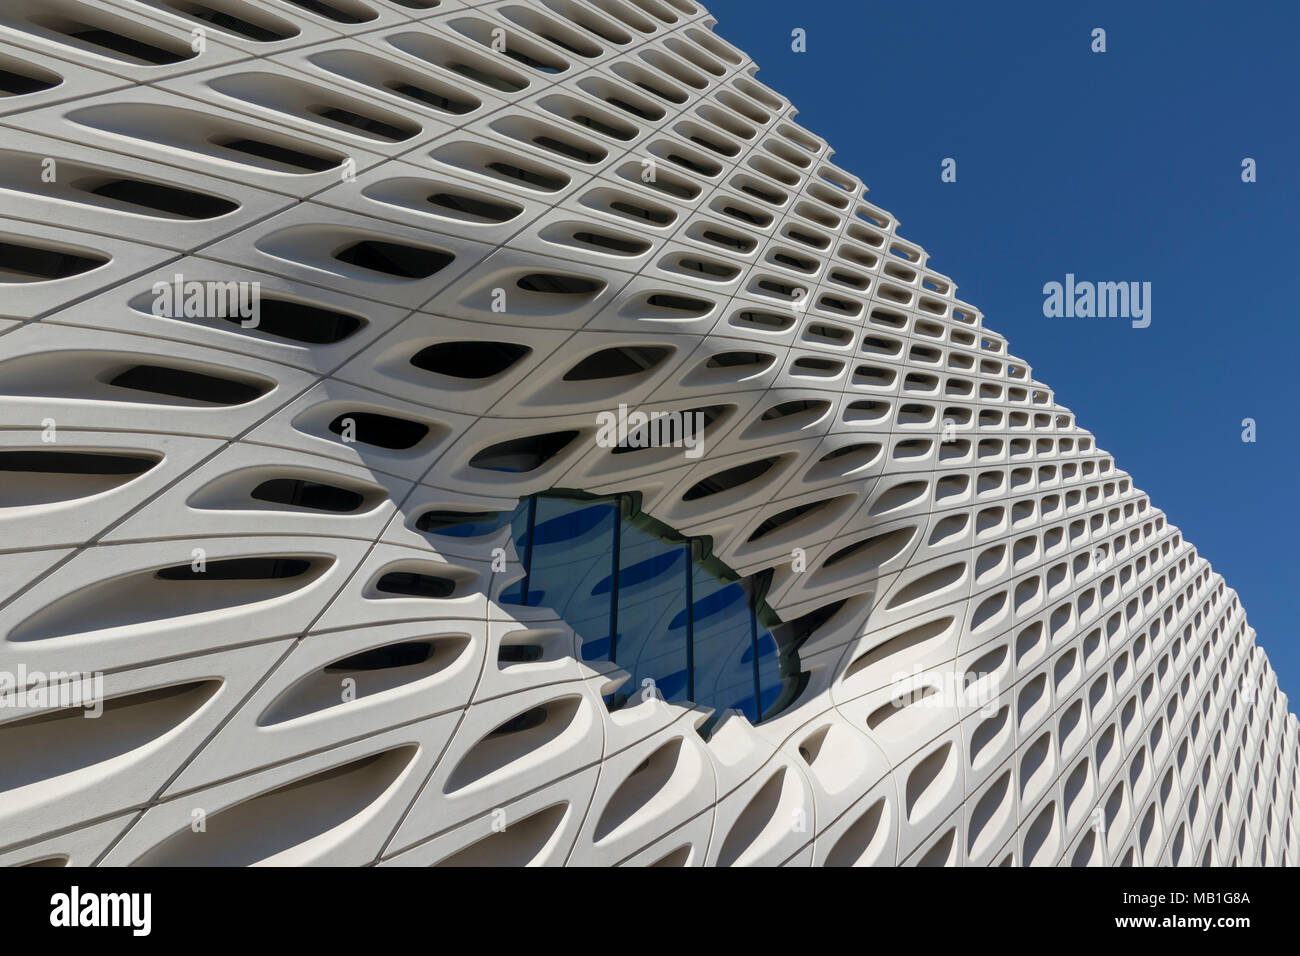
(453, 432)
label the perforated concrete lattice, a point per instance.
(283, 539)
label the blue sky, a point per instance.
(1115, 166)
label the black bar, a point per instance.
(331, 907)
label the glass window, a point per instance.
(519, 533)
(723, 644)
(568, 553)
(635, 594)
(652, 624)
(771, 683)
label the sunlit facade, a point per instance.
(306, 351)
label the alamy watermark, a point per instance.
(39, 690)
(133, 911)
(196, 299)
(947, 689)
(637, 429)
(1101, 300)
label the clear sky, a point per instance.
(1116, 166)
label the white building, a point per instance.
(317, 323)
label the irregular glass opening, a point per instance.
(660, 605)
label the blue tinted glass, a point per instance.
(770, 681)
(711, 651)
(568, 525)
(572, 544)
(673, 686)
(746, 706)
(651, 568)
(514, 594)
(651, 626)
(724, 670)
(597, 650)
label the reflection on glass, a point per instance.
(635, 593)
(652, 627)
(723, 643)
(770, 681)
(567, 553)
